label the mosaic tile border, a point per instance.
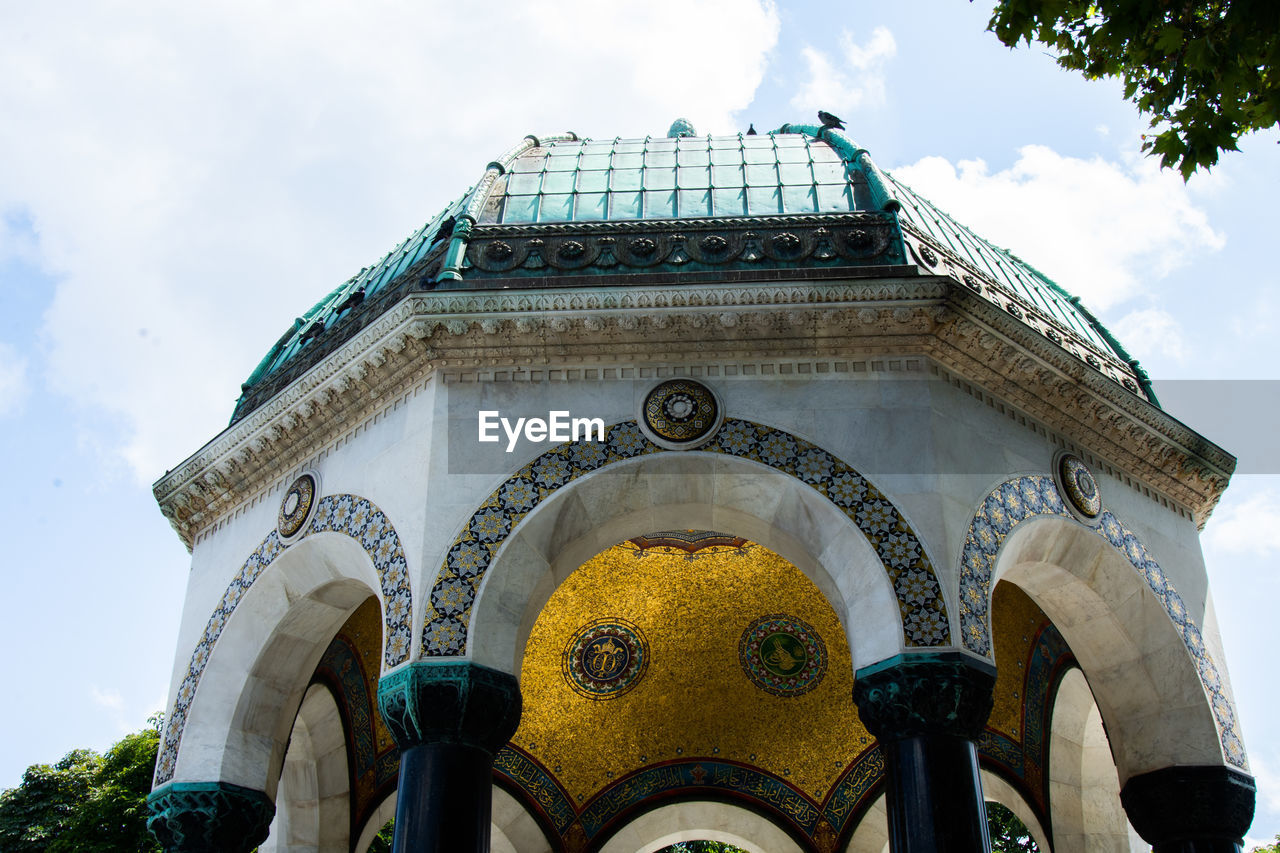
(347, 514)
(1032, 496)
(920, 600)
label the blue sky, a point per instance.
(177, 183)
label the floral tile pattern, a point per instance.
(448, 607)
(347, 514)
(1031, 496)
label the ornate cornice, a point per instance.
(934, 316)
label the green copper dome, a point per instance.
(508, 231)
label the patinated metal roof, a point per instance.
(551, 210)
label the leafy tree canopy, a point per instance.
(1273, 847)
(86, 801)
(1008, 833)
(1205, 71)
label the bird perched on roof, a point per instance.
(828, 120)
(751, 129)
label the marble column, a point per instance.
(449, 720)
(1191, 809)
(927, 711)
(209, 817)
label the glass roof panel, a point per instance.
(521, 208)
(591, 206)
(561, 164)
(625, 205)
(835, 197)
(624, 179)
(693, 177)
(659, 159)
(729, 202)
(761, 175)
(795, 173)
(699, 157)
(660, 204)
(557, 207)
(762, 201)
(726, 156)
(695, 202)
(659, 179)
(558, 182)
(727, 176)
(799, 199)
(524, 182)
(593, 182)
(594, 161)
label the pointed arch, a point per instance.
(448, 608)
(348, 515)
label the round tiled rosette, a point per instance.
(681, 411)
(605, 658)
(295, 507)
(782, 655)
(1078, 486)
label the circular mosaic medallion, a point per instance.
(1076, 482)
(782, 655)
(605, 658)
(681, 412)
(296, 506)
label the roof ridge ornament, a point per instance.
(681, 127)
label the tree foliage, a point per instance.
(1273, 847)
(1205, 71)
(1008, 833)
(702, 847)
(86, 801)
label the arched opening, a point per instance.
(312, 806)
(1084, 790)
(668, 491)
(1145, 682)
(239, 722)
(684, 664)
(697, 821)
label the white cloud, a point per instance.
(13, 380)
(1151, 330)
(849, 82)
(201, 174)
(1248, 528)
(1103, 230)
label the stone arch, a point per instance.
(312, 808)
(378, 557)
(658, 492)
(705, 820)
(1084, 790)
(1113, 603)
(996, 790)
(377, 819)
(914, 583)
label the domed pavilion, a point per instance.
(698, 487)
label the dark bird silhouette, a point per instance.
(751, 129)
(828, 120)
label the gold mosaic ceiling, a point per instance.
(694, 697)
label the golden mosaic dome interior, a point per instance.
(695, 700)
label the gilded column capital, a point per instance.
(450, 703)
(209, 817)
(909, 695)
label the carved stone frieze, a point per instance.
(933, 316)
(511, 250)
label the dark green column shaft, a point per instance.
(927, 711)
(1191, 809)
(449, 719)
